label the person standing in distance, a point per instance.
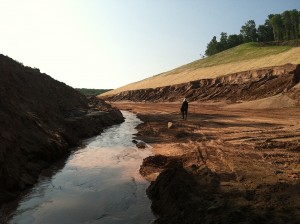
(184, 108)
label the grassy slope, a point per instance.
(241, 58)
(239, 53)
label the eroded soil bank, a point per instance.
(221, 165)
(40, 120)
(99, 184)
(241, 86)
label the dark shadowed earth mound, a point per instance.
(40, 119)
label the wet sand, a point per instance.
(242, 165)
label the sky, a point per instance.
(106, 44)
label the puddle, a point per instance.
(100, 183)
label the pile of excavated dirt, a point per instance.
(221, 165)
(40, 119)
(243, 86)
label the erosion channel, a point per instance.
(99, 183)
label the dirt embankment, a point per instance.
(40, 119)
(221, 165)
(242, 86)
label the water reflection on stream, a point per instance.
(100, 183)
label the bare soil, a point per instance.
(236, 87)
(221, 165)
(40, 120)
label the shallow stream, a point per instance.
(99, 183)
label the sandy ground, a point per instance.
(185, 73)
(243, 164)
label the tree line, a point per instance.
(92, 92)
(277, 27)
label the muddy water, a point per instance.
(100, 183)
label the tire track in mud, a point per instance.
(217, 160)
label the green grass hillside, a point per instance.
(241, 58)
(242, 52)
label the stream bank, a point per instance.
(99, 183)
(40, 120)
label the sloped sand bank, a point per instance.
(236, 87)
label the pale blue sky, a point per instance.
(111, 43)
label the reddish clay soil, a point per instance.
(236, 87)
(221, 165)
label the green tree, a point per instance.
(248, 31)
(265, 32)
(234, 40)
(212, 47)
(295, 17)
(223, 41)
(288, 32)
(277, 26)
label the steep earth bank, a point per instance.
(221, 165)
(40, 119)
(242, 86)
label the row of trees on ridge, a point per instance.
(277, 27)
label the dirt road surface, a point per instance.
(221, 165)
